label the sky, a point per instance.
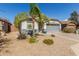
(60, 11)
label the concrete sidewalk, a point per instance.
(75, 49)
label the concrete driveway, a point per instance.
(69, 36)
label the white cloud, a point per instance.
(65, 19)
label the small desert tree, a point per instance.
(74, 17)
(18, 18)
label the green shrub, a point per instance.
(32, 40)
(48, 41)
(69, 30)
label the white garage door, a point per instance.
(53, 28)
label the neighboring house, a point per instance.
(5, 25)
(68, 24)
(27, 25)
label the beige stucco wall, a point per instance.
(13, 28)
(0, 25)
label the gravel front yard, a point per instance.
(61, 47)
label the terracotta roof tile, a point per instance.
(4, 20)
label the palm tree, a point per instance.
(18, 18)
(34, 12)
(42, 21)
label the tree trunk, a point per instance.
(33, 25)
(40, 25)
(19, 29)
(0, 33)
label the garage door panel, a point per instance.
(53, 28)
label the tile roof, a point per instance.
(4, 20)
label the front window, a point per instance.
(29, 26)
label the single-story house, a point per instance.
(27, 25)
(53, 26)
(5, 25)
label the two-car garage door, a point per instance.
(53, 28)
